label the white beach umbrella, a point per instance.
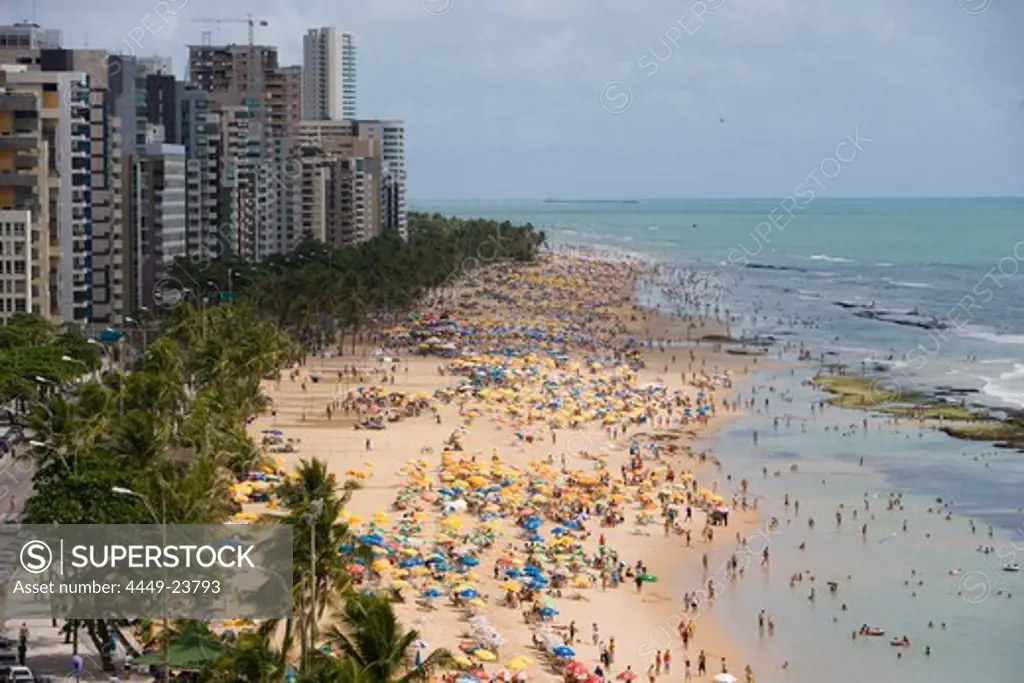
(724, 678)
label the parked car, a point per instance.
(16, 674)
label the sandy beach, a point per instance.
(554, 319)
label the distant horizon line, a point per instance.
(697, 199)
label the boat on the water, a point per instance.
(866, 630)
(900, 642)
(1012, 567)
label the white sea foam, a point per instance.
(1008, 387)
(883, 264)
(831, 259)
(989, 335)
(912, 285)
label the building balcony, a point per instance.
(19, 141)
(18, 102)
(24, 162)
(16, 179)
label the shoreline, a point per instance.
(393, 448)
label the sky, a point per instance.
(647, 98)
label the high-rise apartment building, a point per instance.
(28, 36)
(328, 74)
(159, 185)
(62, 155)
(389, 136)
(265, 108)
(199, 132)
(26, 132)
(92, 266)
(348, 76)
(360, 176)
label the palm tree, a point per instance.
(314, 486)
(254, 657)
(368, 633)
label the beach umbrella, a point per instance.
(630, 675)
(563, 652)
(724, 678)
(432, 593)
(512, 585)
(485, 655)
(373, 539)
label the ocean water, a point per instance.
(981, 606)
(909, 261)
(818, 281)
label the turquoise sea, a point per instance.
(924, 293)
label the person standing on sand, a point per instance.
(667, 660)
(687, 673)
(702, 663)
(657, 663)
(595, 633)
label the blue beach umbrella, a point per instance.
(564, 652)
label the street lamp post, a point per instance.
(163, 526)
(142, 329)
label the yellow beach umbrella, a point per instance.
(485, 655)
(512, 585)
(463, 661)
(516, 665)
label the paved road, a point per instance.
(15, 485)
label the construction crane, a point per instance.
(254, 69)
(249, 19)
